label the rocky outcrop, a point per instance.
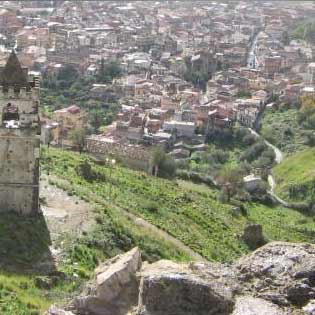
(182, 292)
(282, 273)
(115, 289)
(276, 279)
(309, 309)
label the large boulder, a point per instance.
(168, 288)
(280, 272)
(111, 280)
(116, 287)
(278, 278)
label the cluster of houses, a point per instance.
(187, 67)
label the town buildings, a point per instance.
(185, 69)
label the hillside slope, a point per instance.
(189, 212)
(295, 176)
(192, 215)
(281, 128)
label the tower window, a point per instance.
(11, 116)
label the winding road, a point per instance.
(278, 158)
(278, 152)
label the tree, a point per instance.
(163, 165)
(310, 136)
(306, 115)
(167, 167)
(230, 178)
(50, 137)
(158, 156)
(77, 137)
(243, 94)
(101, 75)
(107, 72)
(96, 118)
(67, 73)
(198, 78)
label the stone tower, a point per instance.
(19, 139)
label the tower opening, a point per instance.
(11, 116)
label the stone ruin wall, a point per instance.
(136, 157)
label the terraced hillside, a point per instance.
(192, 215)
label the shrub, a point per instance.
(168, 167)
(85, 170)
(310, 136)
(241, 133)
(254, 151)
(249, 139)
(218, 156)
(151, 206)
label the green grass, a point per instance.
(196, 218)
(19, 296)
(24, 246)
(295, 176)
(282, 129)
(187, 211)
(24, 243)
(283, 224)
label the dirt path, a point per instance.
(66, 213)
(162, 234)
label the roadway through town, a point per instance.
(252, 61)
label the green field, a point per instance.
(295, 176)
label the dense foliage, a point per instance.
(108, 71)
(281, 128)
(229, 148)
(305, 31)
(66, 87)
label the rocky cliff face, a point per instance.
(278, 278)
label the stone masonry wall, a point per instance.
(19, 155)
(134, 156)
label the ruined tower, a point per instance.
(19, 139)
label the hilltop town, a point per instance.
(157, 73)
(179, 131)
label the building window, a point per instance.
(10, 114)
